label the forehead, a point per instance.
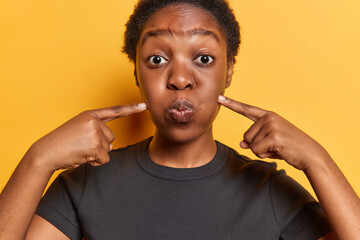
(181, 19)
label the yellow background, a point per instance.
(298, 58)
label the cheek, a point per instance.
(212, 84)
(209, 106)
(153, 93)
(208, 101)
(149, 83)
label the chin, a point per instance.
(184, 133)
(181, 136)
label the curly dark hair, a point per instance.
(220, 9)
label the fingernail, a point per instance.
(244, 145)
(111, 147)
(222, 98)
(141, 105)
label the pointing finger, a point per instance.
(111, 113)
(251, 112)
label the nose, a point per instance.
(180, 77)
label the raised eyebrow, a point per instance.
(203, 32)
(154, 33)
(193, 32)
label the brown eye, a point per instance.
(157, 60)
(204, 59)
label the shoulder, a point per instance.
(239, 165)
(265, 174)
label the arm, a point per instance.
(271, 136)
(338, 199)
(85, 138)
(20, 197)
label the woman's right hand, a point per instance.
(83, 139)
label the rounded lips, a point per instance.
(181, 110)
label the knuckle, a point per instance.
(279, 149)
(85, 113)
(259, 152)
(253, 148)
(90, 158)
(104, 158)
(96, 146)
(274, 136)
(271, 116)
(256, 152)
(245, 106)
(92, 122)
(106, 148)
(98, 157)
(232, 104)
(247, 137)
(133, 106)
(93, 126)
(112, 137)
(117, 109)
(272, 126)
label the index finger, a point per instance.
(251, 112)
(111, 113)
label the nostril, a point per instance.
(173, 87)
(180, 83)
(188, 86)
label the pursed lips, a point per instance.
(181, 110)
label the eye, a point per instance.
(157, 60)
(204, 59)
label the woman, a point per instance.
(180, 184)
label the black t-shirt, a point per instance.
(132, 197)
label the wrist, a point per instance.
(320, 164)
(37, 163)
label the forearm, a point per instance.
(84, 138)
(338, 199)
(20, 198)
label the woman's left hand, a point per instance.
(272, 136)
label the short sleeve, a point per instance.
(299, 216)
(60, 204)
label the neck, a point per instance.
(190, 154)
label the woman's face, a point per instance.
(182, 68)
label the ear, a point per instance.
(136, 79)
(229, 73)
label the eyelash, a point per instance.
(151, 59)
(212, 59)
(163, 60)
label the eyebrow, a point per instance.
(193, 32)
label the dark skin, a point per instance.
(193, 65)
(181, 72)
